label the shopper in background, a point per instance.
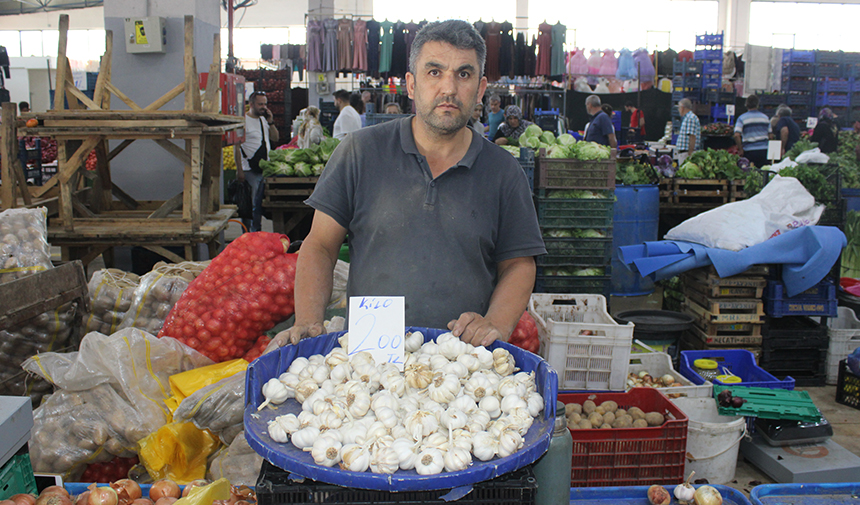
(690, 134)
(786, 129)
(513, 127)
(348, 120)
(23, 107)
(357, 103)
(310, 132)
(259, 136)
(599, 129)
(475, 121)
(826, 131)
(637, 123)
(752, 131)
(393, 108)
(495, 117)
(433, 213)
(366, 97)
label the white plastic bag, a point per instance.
(783, 205)
(785, 163)
(812, 156)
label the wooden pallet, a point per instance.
(723, 291)
(724, 306)
(694, 193)
(691, 342)
(725, 340)
(703, 277)
(753, 271)
(743, 313)
(288, 192)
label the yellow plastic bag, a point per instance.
(184, 384)
(205, 495)
(177, 451)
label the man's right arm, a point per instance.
(314, 279)
(783, 137)
(237, 157)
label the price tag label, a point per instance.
(377, 324)
(811, 122)
(773, 149)
(730, 110)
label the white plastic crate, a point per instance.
(844, 330)
(659, 364)
(581, 341)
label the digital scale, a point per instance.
(814, 462)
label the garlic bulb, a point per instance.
(459, 370)
(399, 431)
(321, 373)
(305, 388)
(384, 460)
(511, 387)
(491, 405)
(414, 341)
(305, 437)
(453, 419)
(290, 380)
(289, 422)
(437, 440)
(464, 403)
(420, 424)
(277, 432)
(430, 348)
(383, 399)
(444, 388)
(418, 376)
(329, 420)
(438, 362)
(307, 418)
(429, 462)
(326, 452)
(336, 357)
(374, 431)
(462, 438)
(470, 361)
(352, 433)
(297, 365)
(503, 362)
(451, 347)
(387, 417)
(275, 393)
(369, 375)
(328, 386)
(406, 454)
(521, 420)
(358, 403)
(485, 357)
(361, 359)
(479, 386)
(528, 380)
(395, 383)
(341, 373)
(478, 421)
(534, 403)
(457, 459)
(484, 446)
(510, 442)
(316, 359)
(512, 402)
(354, 458)
(343, 341)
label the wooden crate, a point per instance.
(736, 191)
(700, 194)
(708, 279)
(753, 271)
(744, 313)
(27, 297)
(724, 334)
(725, 306)
(288, 192)
(692, 342)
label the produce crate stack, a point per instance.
(575, 203)
(276, 84)
(709, 50)
(795, 346)
(768, 102)
(852, 71)
(798, 70)
(686, 83)
(727, 312)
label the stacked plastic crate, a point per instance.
(798, 70)
(852, 72)
(575, 202)
(833, 90)
(686, 83)
(795, 346)
(709, 51)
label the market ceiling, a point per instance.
(11, 7)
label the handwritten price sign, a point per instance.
(377, 325)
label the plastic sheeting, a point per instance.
(300, 463)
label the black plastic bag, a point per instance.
(239, 194)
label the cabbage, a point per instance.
(304, 169)
(274, 168)
(514, 150)
(318, 168)
(533, 130)
(557, 152)
(558, 233)
(565, 139)
(689, 170)
(531, 142)
(591, 151)
(588, 272)
(327, 147)
(592, 234)
(547, 137)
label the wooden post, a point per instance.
(67, 211)
(192, 82)
(62, 64)
(213, 81)
(8, 150)
(196, 175)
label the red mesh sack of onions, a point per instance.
(244, 292)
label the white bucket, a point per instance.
(712, 440)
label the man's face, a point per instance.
(495, 105)
(682, 111)
(365, 96)
(259, 105)
(591, 110)
(445, 86)
(476, 114)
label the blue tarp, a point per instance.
(807, 255)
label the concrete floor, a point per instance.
(844, 420)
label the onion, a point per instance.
(707, 495)
(164, 488)
(7, 502)
(194, 483)
(166, 500)
(82, 498)
(54, 498)
(55, 490)
(142, 501)
(103, 496)
(23, 499)
(127, 489)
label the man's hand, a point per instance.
(240, 174)
(269, 116)
(475, 329)
(294, 334)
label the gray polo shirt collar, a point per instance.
(407, 143)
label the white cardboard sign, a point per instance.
(774, 148)
(811, 122)
(377, 324)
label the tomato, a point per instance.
(525, 335)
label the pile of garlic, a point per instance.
(453, 401)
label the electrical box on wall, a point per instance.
(145, 35)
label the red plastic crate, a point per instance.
(629, 456)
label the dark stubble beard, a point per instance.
(446, 126)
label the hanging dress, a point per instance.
(520, 55)
(398, 51)
(411, 32)
(559, 34)
(506, 54)
(531, 58)
(386, 47)
(544, 43)
(315, 43)
(373, 48)
(608, 63)
(494, 43)
(344, 44)
(330, 45)
(359, 46)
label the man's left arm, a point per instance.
(274, 136)
(507, 303)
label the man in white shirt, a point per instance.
(259, 136)
(348, 120)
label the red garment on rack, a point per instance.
(359, 45)
(344, 44)
(544, 42)
(494, 44)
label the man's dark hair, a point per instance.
(254, 95)
(356, 102)
(23, 105)
(629, 104)
(342, 95)
(752, 102)
(455, 32)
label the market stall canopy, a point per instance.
(29, 6)
(807, 255)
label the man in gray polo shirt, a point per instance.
(434, 212)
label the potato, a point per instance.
(609, 418)
(621, 422)
(636, 413)
(572, 408)
(640, 423)
(588, 406)
(620, 412)
(595, 419)
(576, 418)
(585, 425)
(600, 410)
(572, 425)
(605, 426)
(654, 418)
(609, 406)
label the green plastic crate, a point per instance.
(575, 213)
(16, 477)
(576, 252)
(771, 404)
